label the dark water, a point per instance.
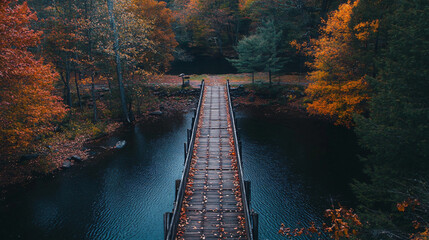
(295, 167)
(298, 168)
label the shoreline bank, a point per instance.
(63, 153)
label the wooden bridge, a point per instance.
(212, 198)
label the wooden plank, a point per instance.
(213, 207)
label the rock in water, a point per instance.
(156, 113)
(120, 144)
(76, 158)
(66, 164)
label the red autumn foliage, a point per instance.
(27, 106)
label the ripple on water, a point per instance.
(125, 195)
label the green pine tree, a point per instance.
(261, 51)
(249, 55)
(397, 131)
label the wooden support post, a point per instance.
(248, 186)
(177, 188)
(188, 134)
(186, 152)
(255, 225)
(240, 149)
(167, 220)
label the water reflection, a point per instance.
(122, 196)
(295, 165)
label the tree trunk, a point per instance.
(219, 43)
(118, 60)
(94, 102)
(374, 67)
(76, 74)
(253, 77)
(237, 29)
(269, 76)
(65, 88)
(67, 83)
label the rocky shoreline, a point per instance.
(66, 153)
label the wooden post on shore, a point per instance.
(167, 220)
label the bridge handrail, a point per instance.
(181, 191)
(246, 206)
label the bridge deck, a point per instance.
(212, 207)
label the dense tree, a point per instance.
(211, 26)
(397, 131)
(157, 54)
(28, 107)
(118, 60)
(338, 87)
(260, 52)
(249, 57)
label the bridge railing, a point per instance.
(250, 217)
(171, 220)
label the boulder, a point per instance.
(76, 158)
(120, 144)
(156, 113)
(66, 164)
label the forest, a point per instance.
(72, 71)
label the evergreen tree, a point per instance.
(249, 57)
(270, 48)
(260, 52)
(397, 130)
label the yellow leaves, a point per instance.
(407, 203)
(343, 223)
(338, 88)
(245, 4)
(365, 29)
(421, 235)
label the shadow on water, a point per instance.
(295, 166)
(121, 196)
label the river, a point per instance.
(296, 167)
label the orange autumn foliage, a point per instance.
(338, 87)
(344, 223)
(161, 35)
(27, 105)
(422, 228)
